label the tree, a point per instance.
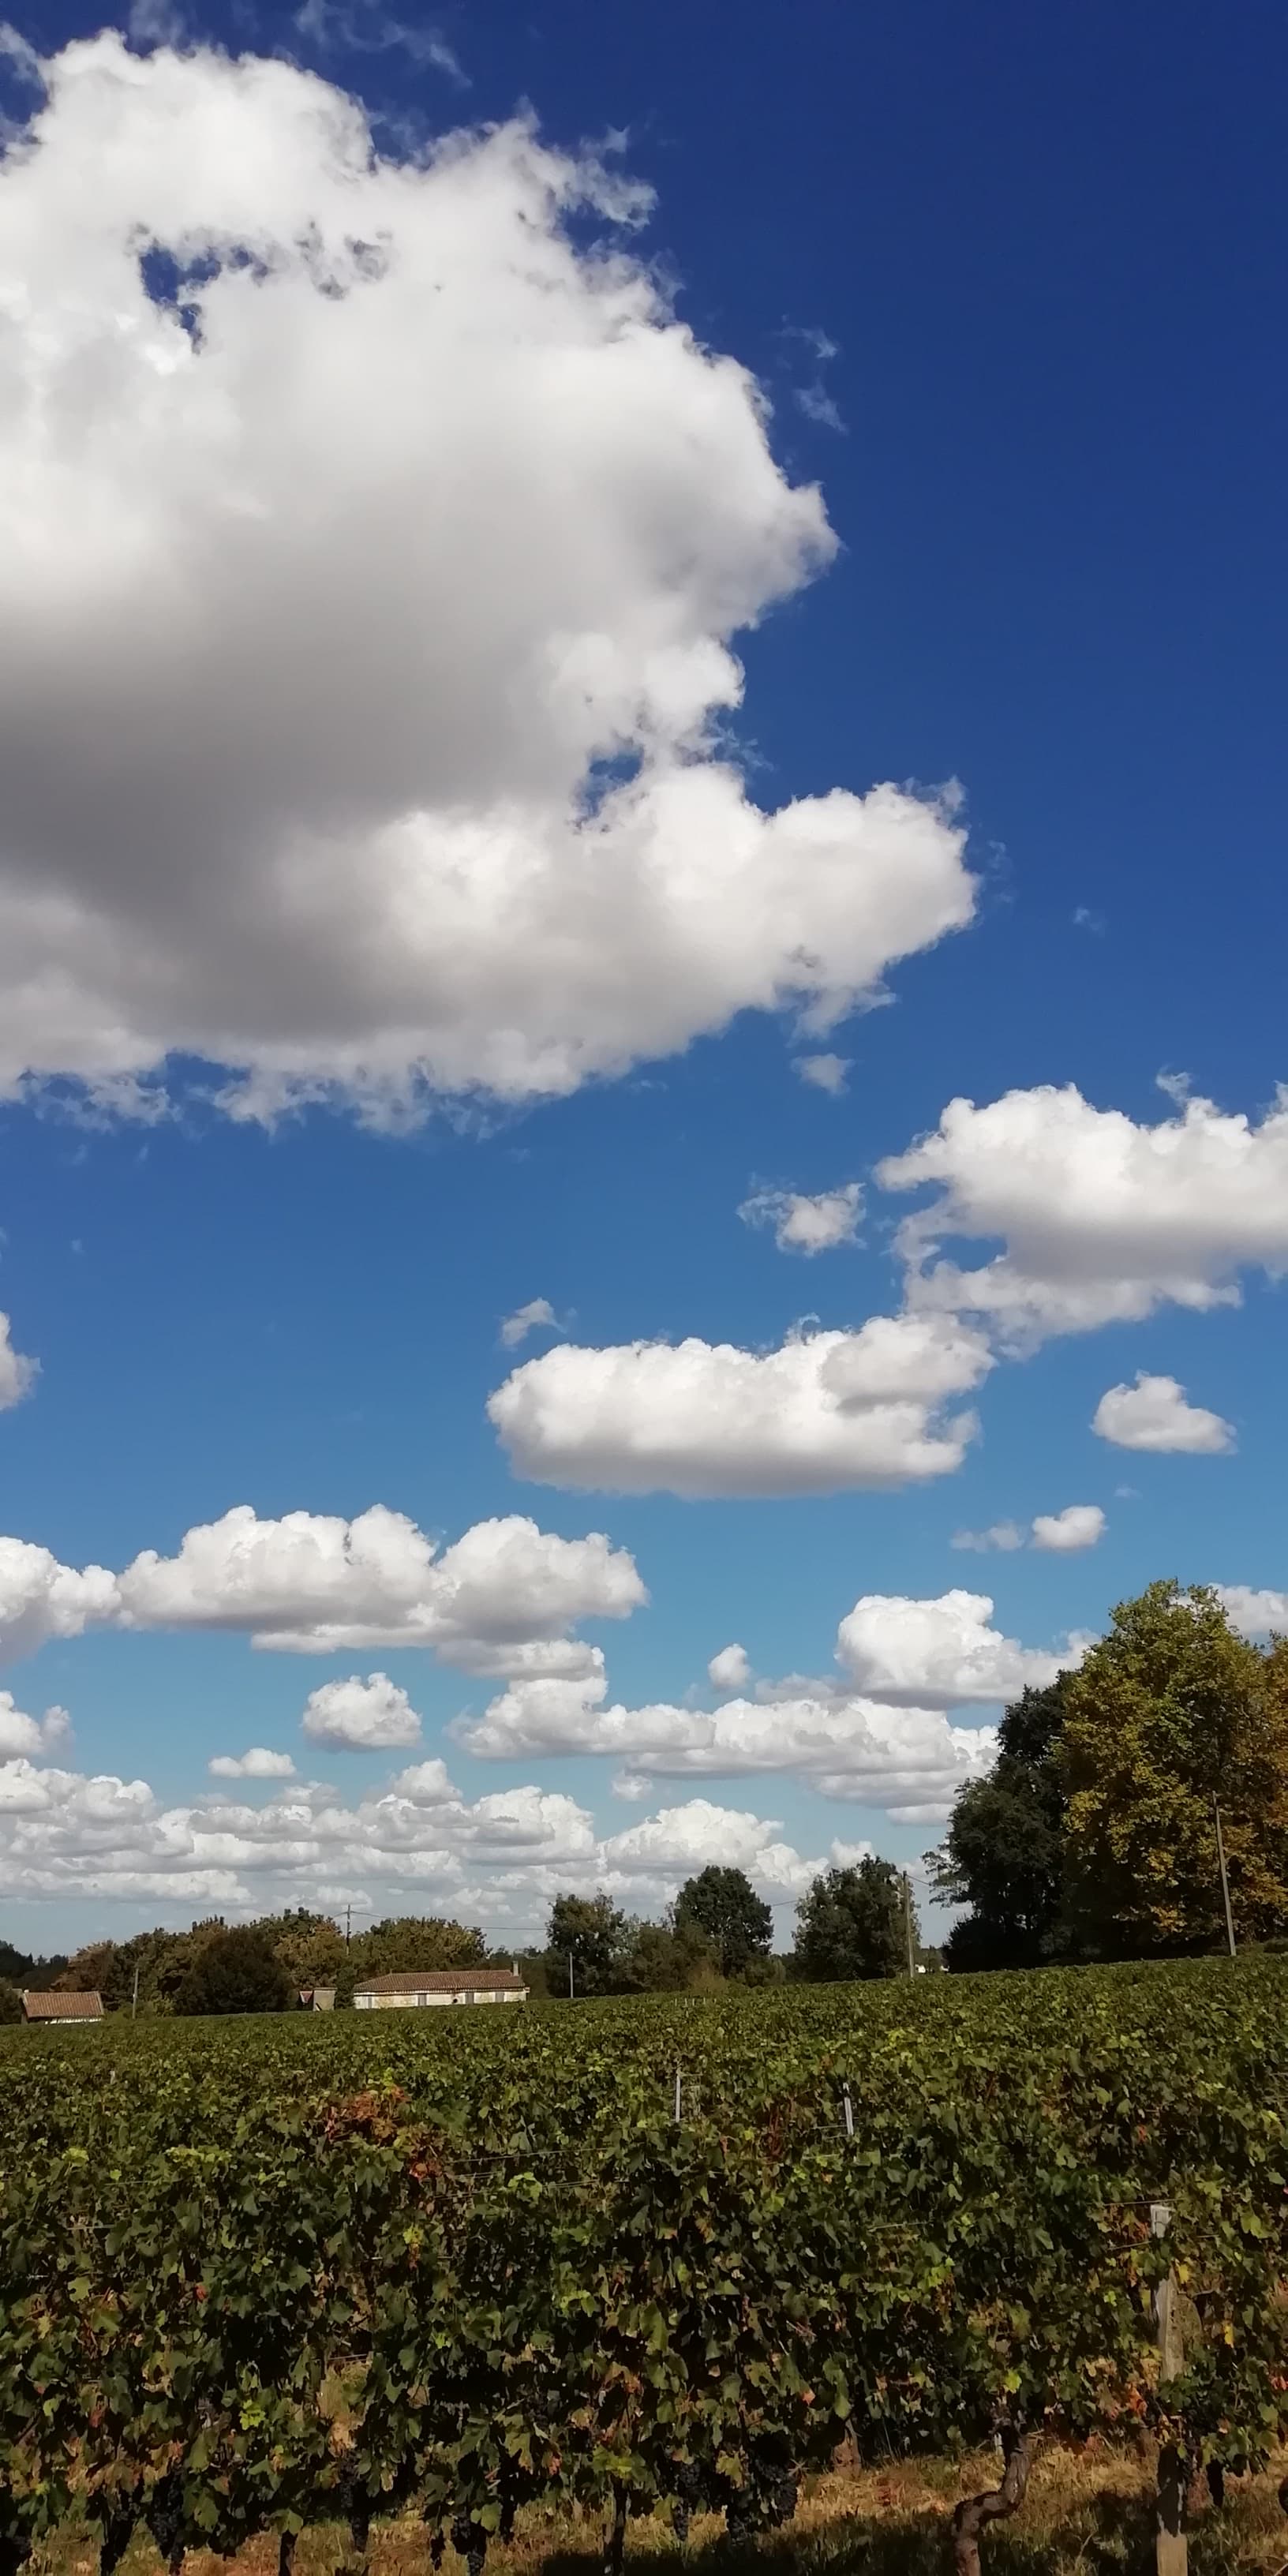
(592, 1930)
(669, 1958)
(235, 1972)
(18, 1968)
(1004, 1851)
(310, 1946)
(10, 2002)
(1167, 1712)
(851, 1923)
(724, 1904)
(405, 1942)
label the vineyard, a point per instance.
(263, 2275)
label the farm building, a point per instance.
(442, 1986)
(61, 2008)
(317, 1998)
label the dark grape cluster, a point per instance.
(118, 2532)
(469, 2543)
(354, 2505)
(163, 2514)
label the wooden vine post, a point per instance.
(1171, 2553)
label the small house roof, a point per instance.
(444, 1981)
(62, 2007)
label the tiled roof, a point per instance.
(444, 1981)
(62, 2007)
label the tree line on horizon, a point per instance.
(1092, 1837)
(850, 1924)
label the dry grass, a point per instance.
(1087, 2513)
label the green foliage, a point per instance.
(19, 1968)
(724, 1905)
(851, 1923)
(485, 2245)
(235, 1972)
(1169, 1711)
(405, 1942)
(1003, 1855)
(663, 1958)
(596, 1936)
(10, 2002)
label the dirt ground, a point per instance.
(1087, 2513)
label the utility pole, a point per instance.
(570, 1992)
(348, 1924)
(1225, 1884)
(134, 1999)
(907, 1921)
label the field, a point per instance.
(262, 2277)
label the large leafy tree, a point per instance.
(595, 1935)
(851, 1923)
(724, 1905)
(1168, 1712)
(1003, 1855)
(235, 1972)
(405, 1942)
(10, 2002)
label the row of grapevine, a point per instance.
(265, 2275)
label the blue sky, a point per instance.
(329, 620)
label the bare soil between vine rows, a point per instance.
(1087, 2513)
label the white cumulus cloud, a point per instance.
(1101, 1219)
(910, 1761)
(939, 1653)
(22, 1734)
(414, 1845)
(828, 1410)
(730, 1670)
(357, 1717)
(1256, 1614)
(1003, 1535)
(803, 1224)
(376, 540)
(500, 1599)
(17, 1375)
(1155, 1413)
(257, 1763)
(40, 1598)
(1079, 1525)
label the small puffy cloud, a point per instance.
(804, 1224)
(1155, 1414)
(359, 1717)
(537, 1314)
(1102, 1219)
(1255, 1614)
(32, 1735)
(1079, 1525)
(17, 1375)
(826, 1412)
(730, 1670)
(258, 1763)
(938, 1653)
(825, 1072)
(333, 816)
(39, 1598)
